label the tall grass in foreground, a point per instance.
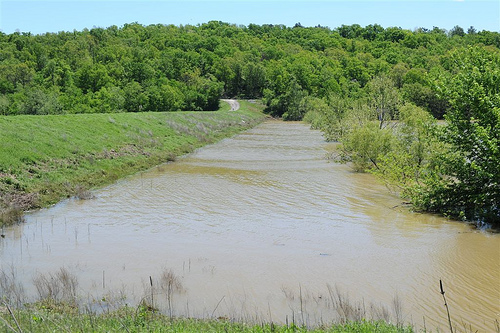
(58, 308)
(44, 159)
(141, 319)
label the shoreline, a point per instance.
(50, 158)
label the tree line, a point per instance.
(449, 166)
(137, 68)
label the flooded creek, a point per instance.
(263, 226)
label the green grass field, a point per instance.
(44, 159)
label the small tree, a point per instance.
(457, 31)
(405, 168)
(384, 99)
(365, 145)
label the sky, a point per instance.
(39, 16)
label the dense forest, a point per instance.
(378, 91)
(166, 68)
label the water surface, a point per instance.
(263, 226)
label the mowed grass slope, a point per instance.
(46, 158)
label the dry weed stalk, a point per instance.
(398, 310)
(446, 305)
(13, 318)
(343, 307)
(170, 284)
(11, 291)
(58, 287)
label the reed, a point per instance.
(55, 289)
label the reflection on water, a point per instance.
(258, 226)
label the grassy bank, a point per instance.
(60, 305)
(44, 159)
(42, 318)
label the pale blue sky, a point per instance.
(38, 16)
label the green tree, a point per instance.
(384, 99)
(4, 105)
(457, 31)
(254, 79)
(288, 104)
(92, 77)
(316, 110)
(165, 97)
(295, 102)
(201, 93)
(470, 185)
(135, 98)
(365, 145)
(334, 117)
(405, 167)
(38, 101)
(109, 100)
(57, 74)
(14, 74)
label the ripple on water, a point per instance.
(256, 217)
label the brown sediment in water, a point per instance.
(263, 224)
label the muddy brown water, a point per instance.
(262, 226)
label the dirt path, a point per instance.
(235, 106)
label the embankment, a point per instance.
(44, 159)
